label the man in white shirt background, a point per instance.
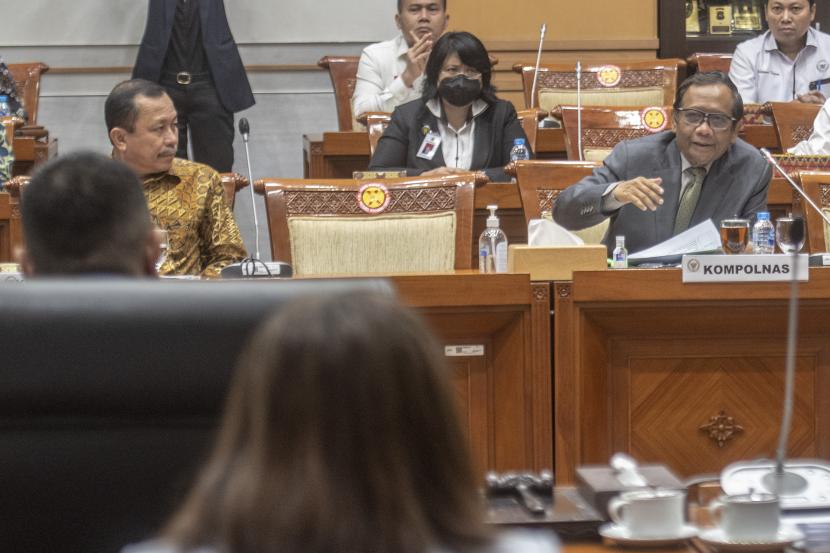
(390, 73)
(780, 64)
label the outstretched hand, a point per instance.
(644, 193)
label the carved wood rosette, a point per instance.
(721, 428)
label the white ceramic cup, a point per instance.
(752, 517)
(649, 513)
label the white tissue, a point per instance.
(544, 232)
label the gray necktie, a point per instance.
(688, 200)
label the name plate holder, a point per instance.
(743, 268)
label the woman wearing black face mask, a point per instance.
(459, 124)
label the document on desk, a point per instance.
(703, 237)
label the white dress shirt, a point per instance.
(457, 144)
(379, 86)
(763, 73)
(819, 141)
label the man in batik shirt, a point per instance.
(6, 158)
(184, 197)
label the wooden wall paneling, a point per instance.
(503, 396)
(566, 398)
(643, 364)
(539, 382)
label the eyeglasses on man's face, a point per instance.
(695, 118)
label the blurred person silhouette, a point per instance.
(340, 434)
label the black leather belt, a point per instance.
(185, 77)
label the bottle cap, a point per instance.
(518, 141)
(492, 220)
(763, 215)
(620, 241)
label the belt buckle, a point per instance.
(183, 77)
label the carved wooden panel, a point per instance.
(344, 202)
(676, 390)
(608, 138)
(633, 78)
(650, 366)
(801, 132)
(824, 190)
(546, 199)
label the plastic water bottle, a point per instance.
(5, 108)
(763, 234)
(619, 258)
(492, 246)
(519, 150)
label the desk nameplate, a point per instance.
(743, 268)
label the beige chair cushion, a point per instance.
(549, 98)
(594, 234)
(826, 230)
(595, 154)
(373, 244)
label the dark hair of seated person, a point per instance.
(340, 434)
(471, 52)
(85, 213)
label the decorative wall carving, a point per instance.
(721, 428)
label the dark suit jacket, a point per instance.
(495, 130)
(736, 184)
(226, 67)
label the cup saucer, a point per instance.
(717, 539)
(621, 535)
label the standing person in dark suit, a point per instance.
(655, 187)
(458, 124)
(188, 48)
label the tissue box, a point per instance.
(556, 262)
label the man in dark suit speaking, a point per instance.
(656, 187)
(188, 48)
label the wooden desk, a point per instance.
(505, 393)
(647, 365)
(338, 154)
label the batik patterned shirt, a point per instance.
(6, 158)
(189, 202)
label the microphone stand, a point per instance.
(251, 186)
(579, 109)
(533, 102)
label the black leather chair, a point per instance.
(110, 393)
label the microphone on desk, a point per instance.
(789, 481)
(253, 266)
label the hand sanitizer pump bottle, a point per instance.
(492, 246)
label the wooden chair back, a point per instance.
(339, 201)
(530, 124)
(541, 181)
(375, 123)
(27, 80)
(793, 122)
(603, 128)
(611, 83)
(704, 62)
(816, 184)
(233, 183)
(343, 73)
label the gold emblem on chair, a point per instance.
(654, 119)
(609, 75)
(373, 198)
